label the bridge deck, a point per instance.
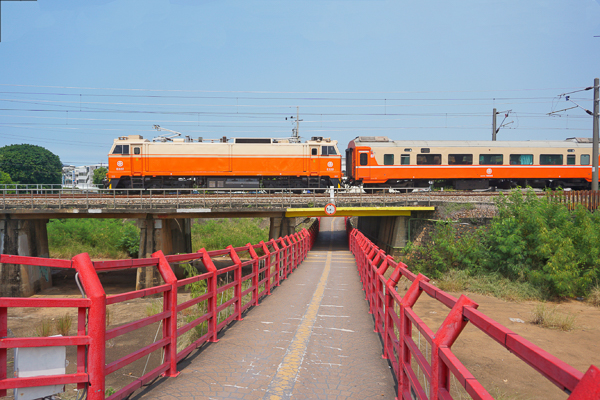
(311, 339)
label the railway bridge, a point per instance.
(341, 321)
(165, 219)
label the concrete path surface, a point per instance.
(312, 338)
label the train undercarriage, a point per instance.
(220, 182)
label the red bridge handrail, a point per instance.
(399, 347)
(284, 254)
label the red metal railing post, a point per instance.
(169, 304)
(588, 387)
(294, 244)
(96, 325)
(255, 273)
(405, 329)
(291, 251)
(285, 258)
(444, 337)
(238, 282)
(267, 264)
(306, 240)
(277, 261)
(212, 301)
(81, 350)
(3, 352)
(380, 290)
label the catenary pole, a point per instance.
(494, 125)
(595, 133)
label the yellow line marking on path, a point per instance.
(283, 382)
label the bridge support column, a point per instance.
(27, 237)
(172, 236)
(389, 233)
(281, 226)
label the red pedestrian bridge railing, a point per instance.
(278, 258)
(395, 318)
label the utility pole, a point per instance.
(595, 134)
(494, 113)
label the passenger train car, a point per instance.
(377, 161)
(135, 162)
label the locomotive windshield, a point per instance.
(328, 151)
(121, 149)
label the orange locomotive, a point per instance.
(135, 162)
(376, 161)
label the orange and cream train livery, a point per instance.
(135, 162)
(376, 161)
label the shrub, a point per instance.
(532, 240)
(44, 328)
(101, 238)
(551, 318)
(63, 324)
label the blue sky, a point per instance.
(75, 75)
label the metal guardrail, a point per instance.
(395, 317)
(279, 258)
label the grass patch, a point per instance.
(44, 328)
(594, 296)
(155, 307)
(63, 324)
(550, 317)
(491, 284)
(101, 238)
(218, 233)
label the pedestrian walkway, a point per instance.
(311, 339)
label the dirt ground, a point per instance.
(501, 373)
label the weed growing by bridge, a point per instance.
(101, 238)
(214, 234)
(535, 242)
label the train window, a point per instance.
(425, 150)
(331, 150)
(388, 159)
(460, 159)
(571, 159)
(491, 159)
(551, 159)
(571, 151)
(136, 150)
(324, 151)
(521, 159)
(121, 149)
(408, 150)
(314, 151)
(585, 159)
(429, 159)
(364, 158)
(405, 159)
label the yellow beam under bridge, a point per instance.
(355, 211)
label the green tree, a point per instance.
(99, 174)
(5, 178)
(28, 163)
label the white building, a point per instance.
(79, 177)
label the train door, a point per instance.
(136, 160)
(363, 171)
(314, 160)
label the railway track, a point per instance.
(203, 200)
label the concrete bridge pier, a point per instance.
(281, 226)
(172, 236)
(388, 233)
(23, 237)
